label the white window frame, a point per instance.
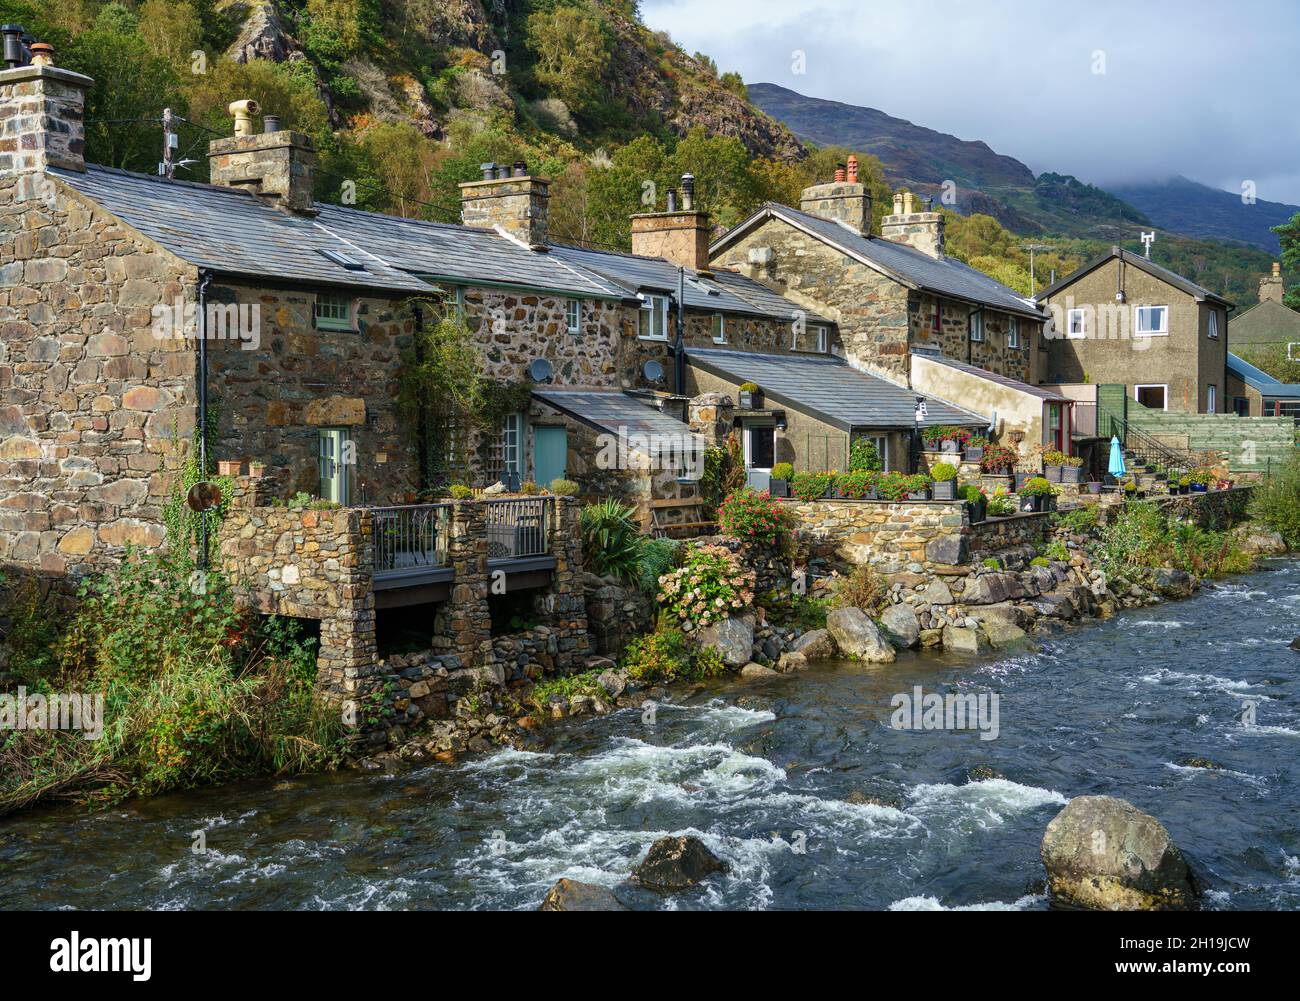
(1013, 333)
(1153, 385)
(719, 329)
(1211, 399)
(512, 443)
(1213, 329)
(1139, 332)
(977, 327)
(1070, 332)
(333, 311)
(331, 447)
(823, 339)
(652, 307)
(573, 315)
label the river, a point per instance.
(775, 776)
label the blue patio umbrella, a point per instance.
(1116, 467)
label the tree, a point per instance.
(572, 50)
(1289, 235)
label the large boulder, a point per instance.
(1260, 541)
(901, 623)
(733, 638)
(613, 682)
(677, 863)
(753, 670)
(858, 637)
(1173, 583)
(1001, 633)
(570, 895)
(1105, 854)
(937, 593)
(1295, 644)
(1015, 614)
(951, 550)
(991, 588)
(815, 645)
(958, 639)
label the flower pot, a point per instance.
(973, 454)
(977, 512)
(746, 400)
(1052, 473)
(257, 469)
(227, 468)
(919, 495)
(1030, 504)
(1071, 474)
(1094, 486)
(948, 445)
(779, 488)
(1022, 479)
(1199, 488)
(945, 489)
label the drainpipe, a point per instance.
(679, 362)
(205, 279)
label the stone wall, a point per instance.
(96, 414)
(1214, 509)
(993, 353)
(994, 534)
(890, 537)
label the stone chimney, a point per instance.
(509, 198)
(922, 230)
(844, 199)
(1270, 286)
(278, 165)
(42, 107)
(677, 235)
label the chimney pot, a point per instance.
(42, 54)
(688, 192)
(853, 170)
(672, 199)
(270, 123)
(840, 174)
(487, 169)
(243, 112)
(14, 53)
(521, 168)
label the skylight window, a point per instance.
(342, 260)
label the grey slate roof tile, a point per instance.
(830, 389)
(611, 411)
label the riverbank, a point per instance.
(915, 819)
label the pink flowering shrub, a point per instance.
(710, 584)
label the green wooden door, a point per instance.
(552, 453)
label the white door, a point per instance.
(760, 455)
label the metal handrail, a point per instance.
(411, 537)
(517, 527)
(1148, 448)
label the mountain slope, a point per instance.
(1185, 206)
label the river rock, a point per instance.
(1295, 644)
(931, 637)
(792, 660)
(959, 639)
(902, 624)
(1017, 615)
(936, 593)
(858, 637)
(570, 895)
(733, 638)
(1103, 853)
(1054, 606)
(1262, 541)
(753, 670)
(1173, 583)
(815, 645)
(950, 550)
(677, 863)
(1002, 633)
(991, 588)
(613, 682)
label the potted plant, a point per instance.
(977, 502)
(1184, 484)
(999, 459)
(918, 486)
(947, 437)
(1052, 462)
(1094, 486)
(1071, 469)
(782, 473)
(857, 484)
(1023, 476)
(1200, 480)
(974, 450)
(864, 455)
(1036, 494)
(226, 467)
(1000, 505)
(256, 469)
(748, 393)
(810, 487)
(945, 481)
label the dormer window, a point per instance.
(333, 312)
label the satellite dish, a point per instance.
(203, 496)
(653, 371)
(539, 370)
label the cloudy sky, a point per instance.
(1209, 90)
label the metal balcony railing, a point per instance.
(410, 537)
(517, 528)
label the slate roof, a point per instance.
(829, 389)
(720, 291)
(610, 411)
(1042, 392)
(1258, 379)
(1199, 292)
(231, 231)
(911, 267)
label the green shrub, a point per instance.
(943, 471)
(708, 663)
(753, 516)
(1037, 486)
(992, 564)
(1141, 537)
(805, 611)
(1001, 504)
(529, 489)
(611, 540)
(459, 491)
(32, 633)
(1276, 501)
(972, 494)
(748, 387)
(658, 556)
(661, 656)
(1039, 561)
(811, 486)
(563, 488)
(1078, 521)
(782, 471)
(864, 456)
(895, 486)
